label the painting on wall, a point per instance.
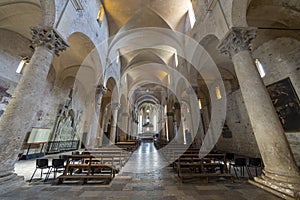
(286, 103)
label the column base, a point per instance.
(11, 182)
(275, 188)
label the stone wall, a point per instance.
(82, 21)
(13, 47)
(85, 22)
(68, 21)
(280, 59)
(243, 141)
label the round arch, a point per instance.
(112, 86)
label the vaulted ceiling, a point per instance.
(19, 15)
(157, 13)
(146, 68)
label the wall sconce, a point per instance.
(176, 59)
(218, 92)
(191, 14)
(199, 104)
(100, 15)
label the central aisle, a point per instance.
(145, 159)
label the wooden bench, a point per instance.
(191, 167)
(185, 161)
(129, 146)
(137, 142)
(170, 152)
(117, 157)
(86, 170)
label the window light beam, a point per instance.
(260, 68)
(192, 16)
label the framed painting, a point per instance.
(286, 103)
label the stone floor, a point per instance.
(145, 176)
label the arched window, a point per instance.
(260, 68)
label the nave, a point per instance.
(80, 75)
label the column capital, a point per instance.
(49, 38)
(115, 106)
(101, 89)
(236, 40)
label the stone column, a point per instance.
(114, 108)
(179, 127)
(170, 118)
(129, 133)
(18, 117)
(100, 91)
(93, 133)
(195, 118)
(134, 128)
(281, 174)
(124, 126)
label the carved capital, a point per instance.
(237, 40)
(115, 106)
(49, 38)
(101, 90)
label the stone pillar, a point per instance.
(93, 138)
(170, 118)
(180, 138)
(195, 118)
(100, 91)
(134, 128)
(124, 126)
(18, 117)
(129, 133)
(281, 174)
(114, 108)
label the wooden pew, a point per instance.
(189, 167)
(129, 146)
(115, 156)
(89, 168)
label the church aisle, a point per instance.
(145, 159)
